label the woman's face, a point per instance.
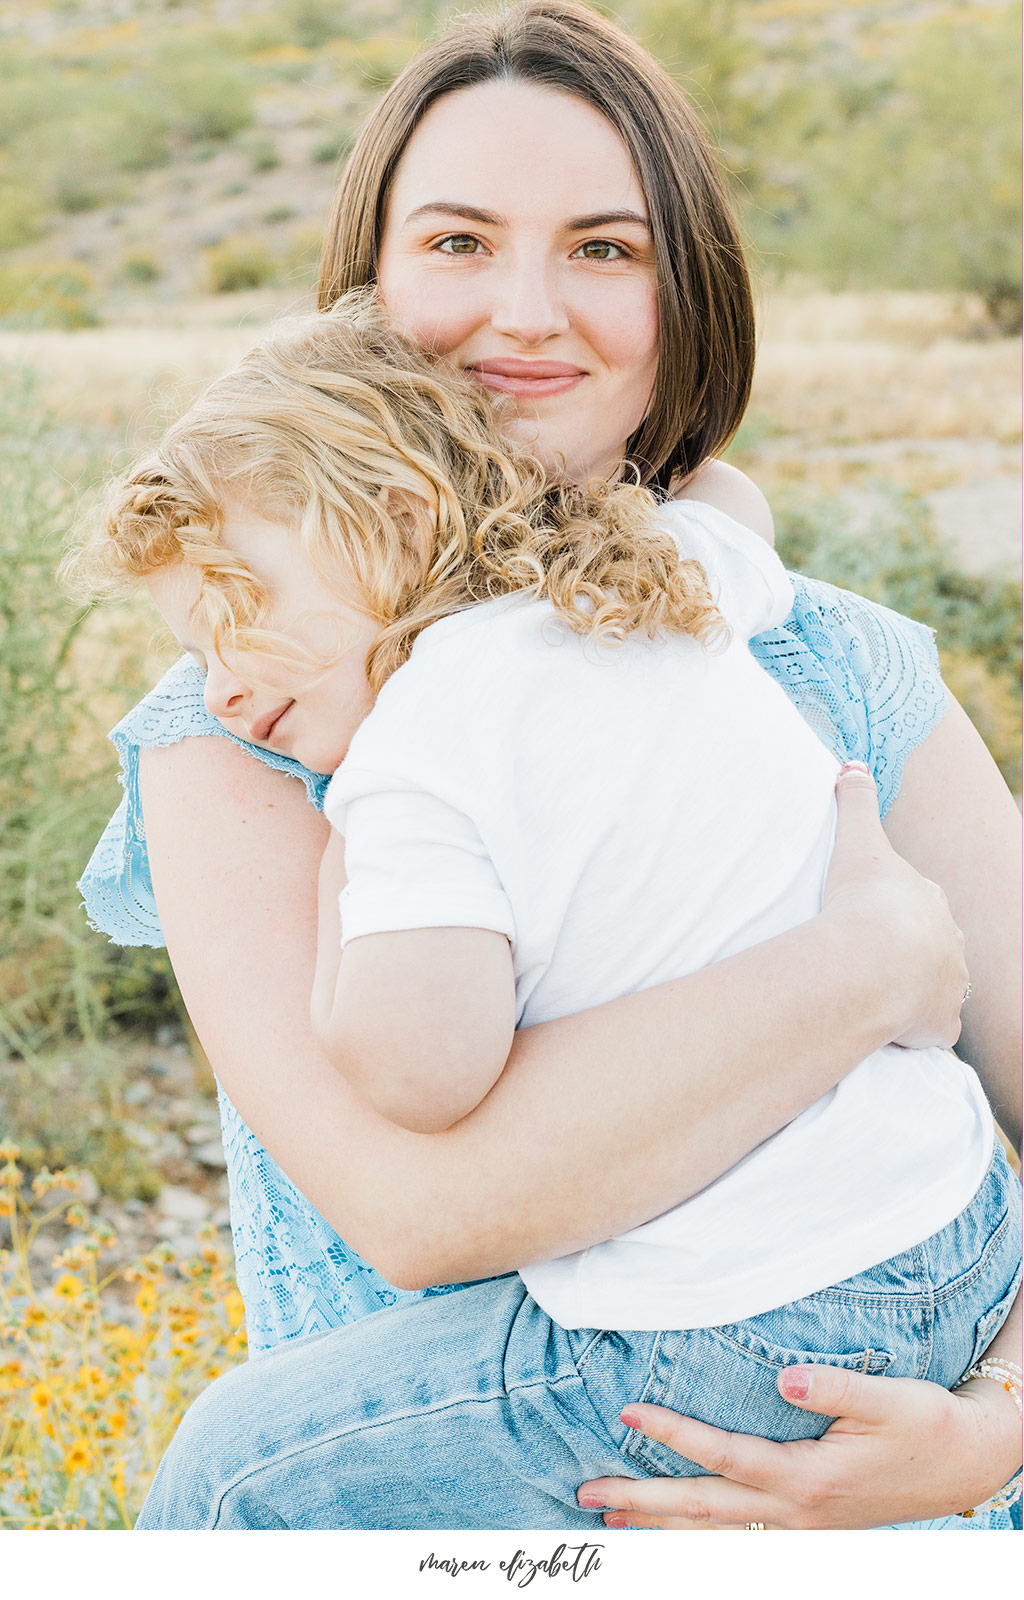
(517, 244)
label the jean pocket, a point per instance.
(728, 1377)
(989, 1325)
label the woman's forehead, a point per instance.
(515, 147)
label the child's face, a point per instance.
(308, 716)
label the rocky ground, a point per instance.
(166, 1113)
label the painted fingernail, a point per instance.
(616, 1522)
(590, 1502)
(796, 1383)
(632, 1419)
(854, 766)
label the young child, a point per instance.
(560, 777)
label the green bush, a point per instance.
(21, 215)
(57, 783)
(332, 148)
(892, 554)
(140, 268)
(261, 152)
(208, 98)
(239, 263)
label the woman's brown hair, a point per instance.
(705, 307)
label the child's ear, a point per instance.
(414, 517)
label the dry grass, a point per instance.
(894, 390)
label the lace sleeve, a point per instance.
(865, 678)
(116, 885)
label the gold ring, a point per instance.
(754, 1527)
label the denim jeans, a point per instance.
(476, 1411)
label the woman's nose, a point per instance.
(529, 306)
(225, 692)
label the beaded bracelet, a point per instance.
(1009, 1375)
(999, 1371)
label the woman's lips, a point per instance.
(261, 730)
(527, 380)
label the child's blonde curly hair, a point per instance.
(394, 472)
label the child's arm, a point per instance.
(420, 1023)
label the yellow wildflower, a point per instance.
(9, 1152)
(41, 1395)
(145, 1300)
(234, 1309)
(68, 1287)
(92, 1379)
(79, 1457)
(34, 1316)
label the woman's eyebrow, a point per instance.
(457, 208)
(601, 219)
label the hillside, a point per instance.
(157, 149)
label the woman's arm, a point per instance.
(955, 820)
(600, 1121)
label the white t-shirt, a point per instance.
(625, 816)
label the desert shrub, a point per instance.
(209, 96)
(56, 296)
(57, 773)
(890, 552)
(140, 268)
(239, 263)
(332, 148)
(261, 152)
(21, 214)
(311, 23)
(864, 152)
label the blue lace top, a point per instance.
(865, 678)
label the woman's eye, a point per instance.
(459, 244)
(600, 250)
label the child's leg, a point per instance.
(464, 1411)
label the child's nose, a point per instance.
(225, 692)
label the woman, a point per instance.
(517, 233)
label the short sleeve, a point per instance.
(412, 860)
(866, 679)
(748, 581)
(116, 885)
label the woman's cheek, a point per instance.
(430, 307)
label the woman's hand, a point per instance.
(900, 1450)
(868, 879)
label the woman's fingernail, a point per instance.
(796, 1383)
(854, 766)
(616, 1521)
(590, 1502)
(632, 1419)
